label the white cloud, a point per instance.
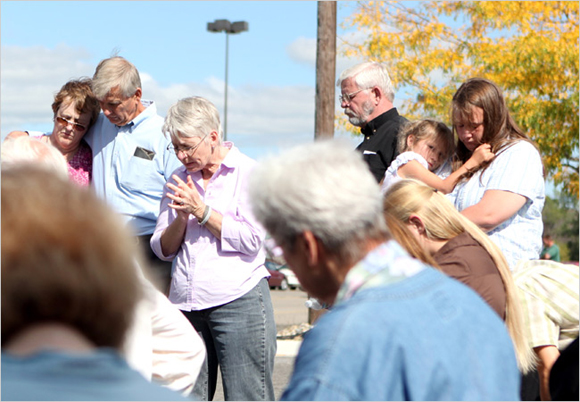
(261, 119)
(30, 78)
(303, 51)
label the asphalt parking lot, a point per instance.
(289, 308)
(289, 311)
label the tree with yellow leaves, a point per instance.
(530, 49)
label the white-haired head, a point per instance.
(115, 72)
(33, 152)
(368, 75)
(192, 117)
(325, 188)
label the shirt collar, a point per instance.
(372, 126)
(232, 159)
(150, 110)
(386, 264)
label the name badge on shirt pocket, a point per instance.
(367, 152)
(144, 153)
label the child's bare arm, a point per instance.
(414, 170)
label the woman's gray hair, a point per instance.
(115, 72)
(192, 117)
(324, 187)
(368, 75)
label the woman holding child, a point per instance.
(425, 146)
(497, 180)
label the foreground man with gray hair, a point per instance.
(398, 329)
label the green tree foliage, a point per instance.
(530, 49)
(561, 221)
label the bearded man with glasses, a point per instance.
(367, 98)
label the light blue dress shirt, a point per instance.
(131, 165)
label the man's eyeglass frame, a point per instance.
(347, 98)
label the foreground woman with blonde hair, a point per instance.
(460, 249)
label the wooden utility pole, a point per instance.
(325, 70)
(325, 79)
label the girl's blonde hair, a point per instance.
(443, 222)
(423, 129)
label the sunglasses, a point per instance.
(76, 126)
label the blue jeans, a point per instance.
(240, 338)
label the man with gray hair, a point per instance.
(367, 98)
(398, 329)
(131, 159)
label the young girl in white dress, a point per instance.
(425, 145)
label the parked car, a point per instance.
(291, 279)
(277, 279)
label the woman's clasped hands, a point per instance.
(185, 197)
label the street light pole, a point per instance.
(229, 28)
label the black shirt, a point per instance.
(379, 146)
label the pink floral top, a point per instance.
(80, 167)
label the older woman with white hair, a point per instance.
(219, 281)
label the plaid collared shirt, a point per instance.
(549, 295)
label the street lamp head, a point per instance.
(227, 26)
(219, 26)
(239, 26)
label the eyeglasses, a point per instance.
(76, 126)
(189, 151)
(347, 98)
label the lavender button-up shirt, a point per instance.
(208, 272)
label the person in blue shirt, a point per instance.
(398, 329)
(131, 159)
(69, 291)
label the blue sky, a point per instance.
(271, 67)
(271, 79)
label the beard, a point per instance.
(359, 120)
